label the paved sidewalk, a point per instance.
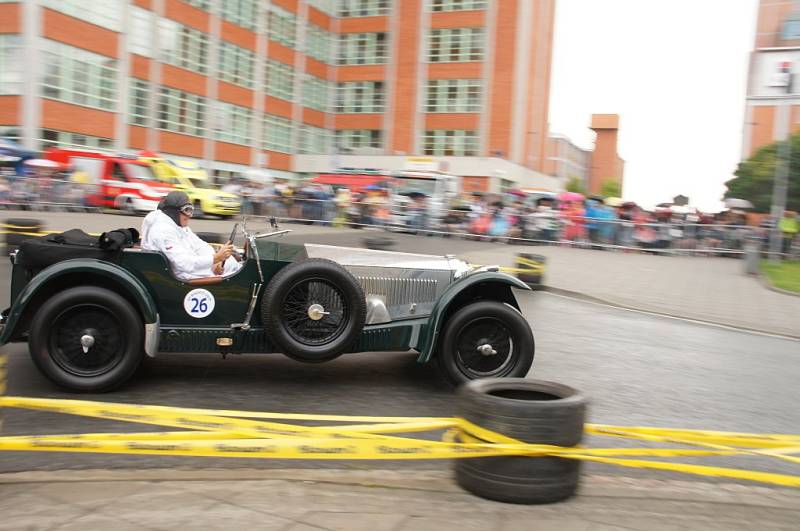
(374, 500)
(702, 288)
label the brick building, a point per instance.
(296, 86)
(772, 84)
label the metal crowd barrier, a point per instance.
(674, 237)
(45, 194)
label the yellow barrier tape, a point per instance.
(224, 433)
(531, 267)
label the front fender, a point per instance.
(80, 266)
(472, 283)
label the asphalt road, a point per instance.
(637, 369)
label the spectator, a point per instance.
(789, 227)
(574, 219)
(545, 221)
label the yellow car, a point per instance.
(190, 178)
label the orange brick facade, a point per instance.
(511, 122)
(767, 118)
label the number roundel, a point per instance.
(199, 303)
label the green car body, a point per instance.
(145, 281)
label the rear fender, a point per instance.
(77, 272)
(484, 285)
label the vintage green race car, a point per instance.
(89, 322)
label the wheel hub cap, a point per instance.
(487, 350)
(87, 342)
(316, 312)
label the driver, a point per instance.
(166, 229)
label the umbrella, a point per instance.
(42, 164)
(681, 209)
(516, 192)
(614, 201)
(570, 196)
(414, 193)
(733, 202)
(628, 204)
(8, 158)
(373, 188)
(259, 176)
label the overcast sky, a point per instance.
(674, 71)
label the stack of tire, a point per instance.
(530, 411)
(18, 230)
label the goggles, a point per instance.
(187, 210)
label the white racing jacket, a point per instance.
(188, 255)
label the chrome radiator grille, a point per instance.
(399, 291)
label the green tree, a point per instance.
(575, 184)
(754, 177)
(611, 189)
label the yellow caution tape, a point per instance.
(225, 433)
(531, 267)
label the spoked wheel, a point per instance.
(87, 339)
(485, 339)
(314, 310)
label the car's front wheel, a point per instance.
(87, 339)
(485, 339)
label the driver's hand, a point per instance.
(224, 253)
(217, 268)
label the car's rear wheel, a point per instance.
(87, 339)
(314, 310)
(485, 339)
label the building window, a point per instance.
(282, 27)
(277, 134)
(362, 48)
(457, 5)
(181, 112)
(456, 45)
(78, 76)
(140, 95)
(454, 95)
(280, 80)
(314, 140)
(458, 143)
(233, 123)
(241, 12)
(326, 6)
(183, 46)
(10, 132)
(319, 43)
(791, 28)
(315, 93)
(205, 5)
(10, 64)
(236, 64)
(50, 138)
(354, 139)
(360, 97)
(106, 14)
(364, 8)
(140, 37)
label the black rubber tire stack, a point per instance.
(17, 230)
(533, 279)
(530, 411)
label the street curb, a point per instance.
(596, 300)
(593, 486)
(767, 284)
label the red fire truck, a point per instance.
(114, 180)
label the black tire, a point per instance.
(286, 304)
(531, 411)
(210, 237)
(63, 319)
(460, 361)
(525, 480)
